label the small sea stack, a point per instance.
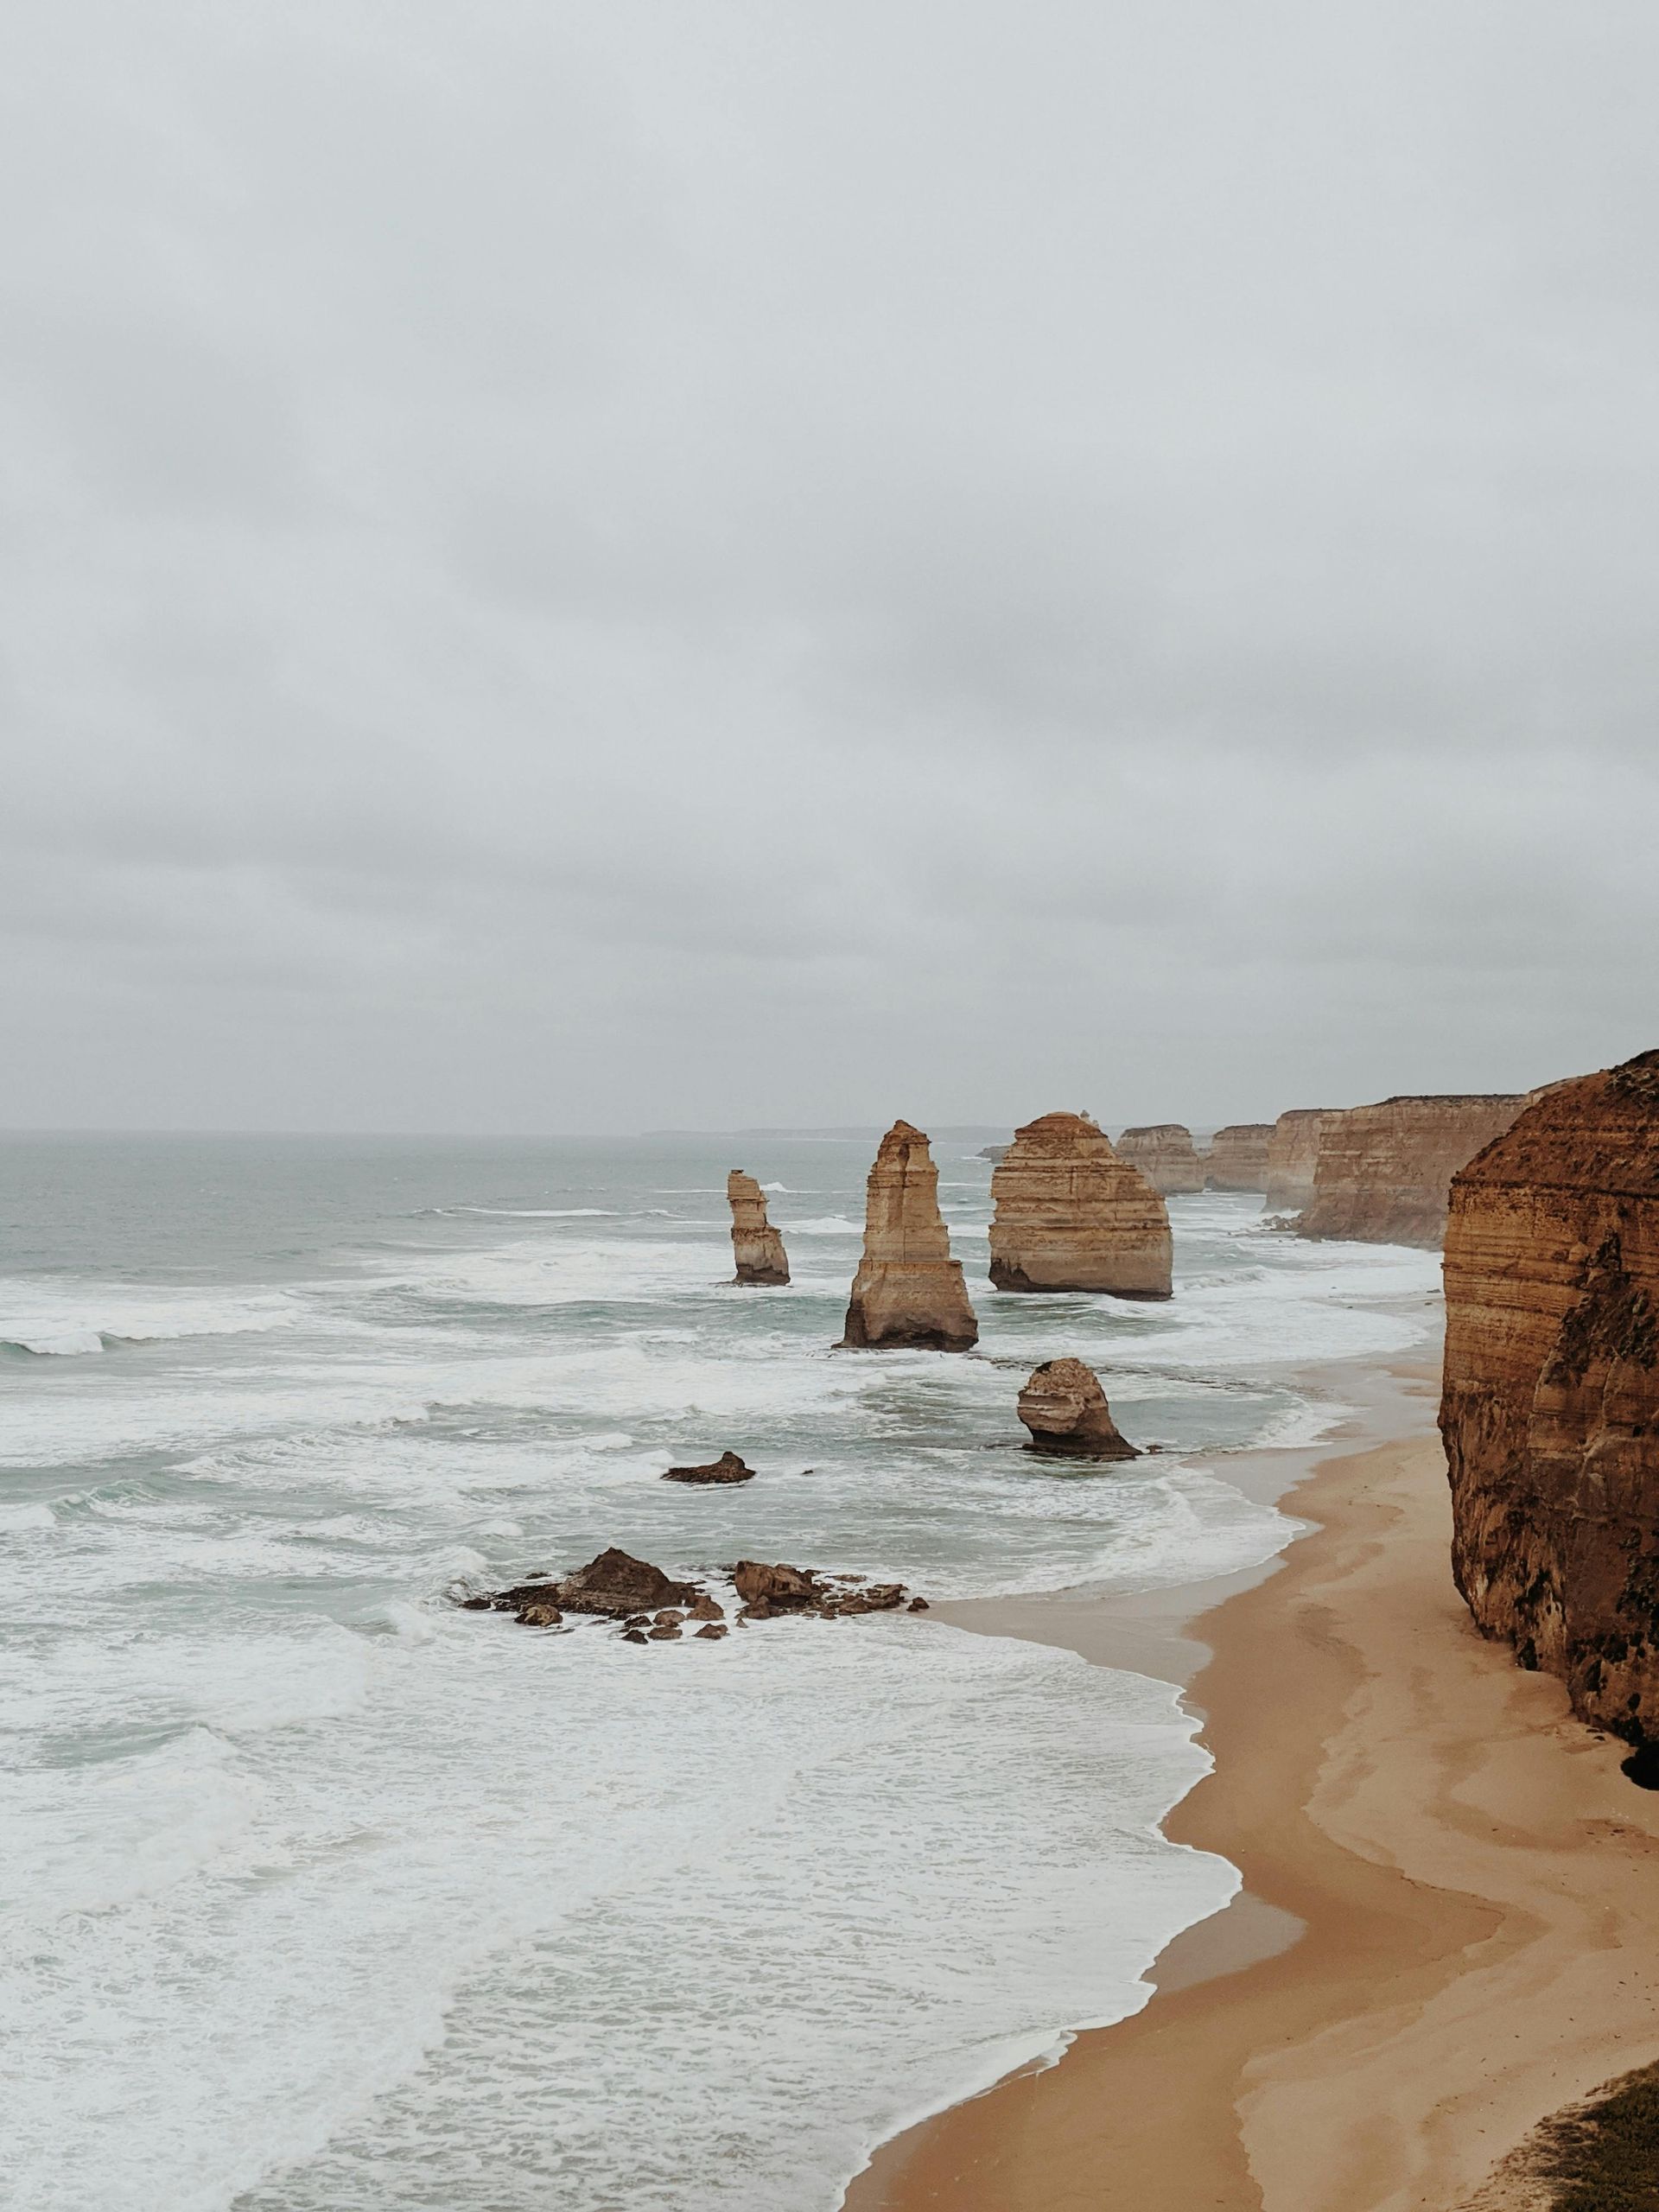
(757, 1246)
(1065, 1409)
(908, 1294)
(1072, 1215)
(728, 1468)
(1293, 1155)
(1166, 1156)
(1384, 1172)
(1238, 1159)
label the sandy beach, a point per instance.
(1446, 1931)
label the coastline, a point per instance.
(1448, 1887)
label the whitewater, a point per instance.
(321, 1893)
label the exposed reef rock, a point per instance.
(768, 1590)
(1550, 1404)
(757, 1246)
(1072, 1215)
(1166, 1156)
(1293, 1154)
(1237, 1158)
(908, 1293)
(614, 1584)
(728, 1468)
(992, 1151)
(1383, 1171)
(1065, 1409)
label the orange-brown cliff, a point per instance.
(757, 1248)
(1238, 1159)
(908, 1293)
(1550, 1404)
(1166, 1156)
(1383, 1171)
(1293, 1155)
(1070, 1215)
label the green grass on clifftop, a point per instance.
(1604, 2156)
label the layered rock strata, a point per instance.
(756, 1245)
(1237, 1158)
(1072, 1215)
(1166, 1155)
(1383, 1171)
(1065, 1409)
(1550, 1403)
(1293, 1155)
(908, 1292)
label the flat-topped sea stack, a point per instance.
(1166, 1155)
(1383, 1171)
(1237, 1158)
(1293, 1155)
(756, 1245)
(1550, 1406)
(908, 1294)
(1072, 1215)
(1065, 1409)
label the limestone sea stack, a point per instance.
(1166, 1156)
(1065, 1409)
(1383, 1171)
(757, 1246)
(1550, 1404)
(908, 1294)
(1238, 1159)
(1293, 1154)
(1070, 1215)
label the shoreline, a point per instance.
(1447, 1886)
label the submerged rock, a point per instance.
(769, 1592)
(756, 1245)
(728, 1468)
(614, 1584)
(1065, 1409)
(1070, 1215)
(908, 1292)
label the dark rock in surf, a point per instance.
(728, 1468)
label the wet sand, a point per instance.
(1451, 1900)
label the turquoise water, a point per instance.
(327, 1894)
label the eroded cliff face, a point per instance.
(1238, 1159)
(1072, 1215)
(1293, 1154)
(908, 1293)
(756, 1245)
(1383, 1171)
(1550, 1403)
(1166, 1155)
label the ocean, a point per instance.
(322, 1895)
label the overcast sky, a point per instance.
(605, 563)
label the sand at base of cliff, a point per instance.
(1475, 1885)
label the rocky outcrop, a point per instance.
(1065, 1409)
(614, 1584)
(1166, 1155)
(1550, 1403)
(766, 1591)
(1237, 1158)
(728, 1468)
(1072, 1215)
(992, 1152)
(908, 1293)
(1293, 1155)
(1383, 1171)
(757, 1246)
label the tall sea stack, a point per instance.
(908, 1294)
(1166, 1156)
(1383, 1171)
(1293, 1155)
(756, 1245)
(1550, 1404)
(1237, 1160)
(1071, 1215)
